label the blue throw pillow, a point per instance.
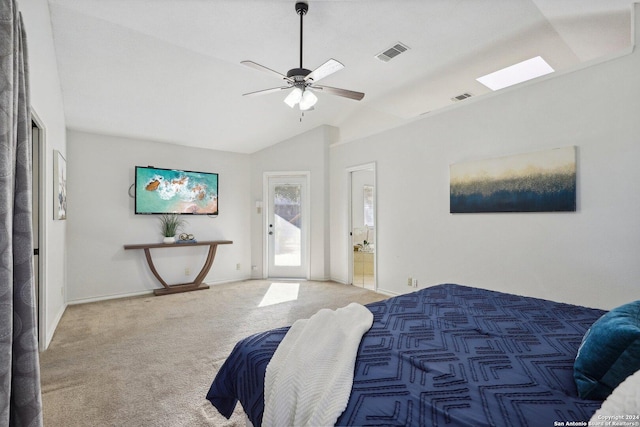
(609, 353)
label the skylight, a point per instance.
(518, 73)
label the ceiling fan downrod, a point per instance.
(301, 9)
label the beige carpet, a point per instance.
(149, 361)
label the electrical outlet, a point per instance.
(254, 267)
(238, 266)
(415, 283)
(187, 271)
(409, 281)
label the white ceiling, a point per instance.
(169, 70)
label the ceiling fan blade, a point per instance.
(266, 69)
(340, 92)
(266, 91)
(328, 68)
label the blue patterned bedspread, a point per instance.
(448, 355)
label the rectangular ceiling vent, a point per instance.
(461, 97)
(392, 52)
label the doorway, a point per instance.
(362, 226)
(38, 223)
(287, 225)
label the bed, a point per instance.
(448, 355)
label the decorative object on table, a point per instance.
(543, 181)
(169, 226)
(186, 238)
(60, 181)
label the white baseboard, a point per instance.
(224, 282)
(141, 293)
(379, 290)
(51, 329)
(108, 297)
(387, 292)
(284, 279)
(320, 279)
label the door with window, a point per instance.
(288, 226)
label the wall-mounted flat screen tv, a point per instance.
(161, 191)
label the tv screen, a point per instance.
(160, 191)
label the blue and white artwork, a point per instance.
(543, 181)
(175, 191)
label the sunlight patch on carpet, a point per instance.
(280, 292)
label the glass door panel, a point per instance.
(287, 223)
(287, 227)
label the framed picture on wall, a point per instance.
(541, 181)
(60, 186)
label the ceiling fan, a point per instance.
(303, 81)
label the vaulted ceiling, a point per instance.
(170, 71)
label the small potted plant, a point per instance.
(169, 226)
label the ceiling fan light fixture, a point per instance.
(308, 100)
(301, 80)
(294, 97)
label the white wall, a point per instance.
(589, 257)
(46, 102)
(101, 217)
(306, 152)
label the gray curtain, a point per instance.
(20, 399)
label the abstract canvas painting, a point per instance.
(543, 181)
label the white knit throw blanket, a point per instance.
(308, 380)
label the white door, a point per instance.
(287, 226)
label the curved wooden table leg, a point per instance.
(207, 265)
(184, 287)
(147, 255)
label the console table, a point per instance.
(197, 284)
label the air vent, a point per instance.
(392, 52)
(461, 97)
